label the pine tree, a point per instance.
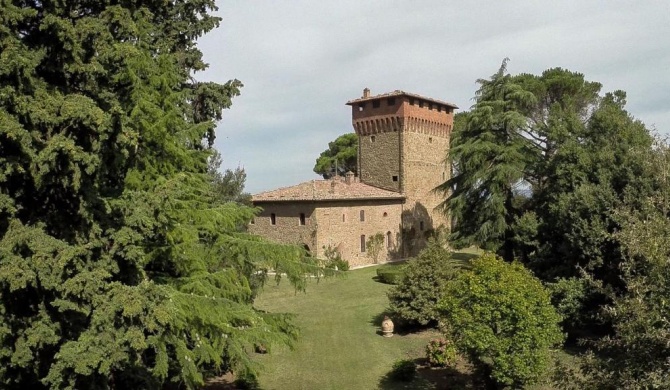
(119, 266)
(490, 154)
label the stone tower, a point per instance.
(403, 139)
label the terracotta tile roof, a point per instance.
(400, 93)
(322, 190)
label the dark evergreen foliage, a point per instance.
(414, 299)
(119, 265)
(340, 157)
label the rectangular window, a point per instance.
(253, 221)
(361, 107)
(411, 102)
(372, 138)
(273, 219)
(395, 178)
(420, 103)
(362, 215)
(421, 225)
(363, 243)
(375, 104)
(391, 101)
(302, 219)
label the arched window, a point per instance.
(389, 243)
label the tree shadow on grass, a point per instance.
(428, 378)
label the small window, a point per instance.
(443, 176)
(420, 103)
(375, 104)
(253, 221)
(395, 178)
(430, 140)
(421, 225)
(361, 107)
(431, 106)
(389, 243)
(344, 218)
(385, 214)
(273, 219)
(439, 108)
(363, 243)
(372, 138)
(362, 215)
(411, 102)
(391, 101)
(302, 219)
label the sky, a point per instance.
(301, 60)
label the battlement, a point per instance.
(403, 139)
(401, 111)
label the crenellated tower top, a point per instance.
(403, 139)
(399, 110)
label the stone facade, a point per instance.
(403, 141)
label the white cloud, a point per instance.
(302, 60)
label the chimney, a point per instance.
(366, 93)
(349, 177)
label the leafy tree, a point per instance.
(636, 355)
(119, 268)
(587, 179)
(229, 185)
(491, 155)
(415, 298)
(500, 316)
(374, 246)
(582, 154)
(341, 154)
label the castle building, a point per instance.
(403, 139)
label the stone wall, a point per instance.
(379, 160)
(340, 226)
(334, 223)
(410, 139)
(287, 228)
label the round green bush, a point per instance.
(391, 275)
(501, 317)
(414, 299)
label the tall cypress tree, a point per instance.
(119, 267)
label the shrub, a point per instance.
(440, 353)
(334, 259)
(403, 370)
(501, 317)
(415, 297)
(374, 246)
(391, 275)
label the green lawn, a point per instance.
(339, 346)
